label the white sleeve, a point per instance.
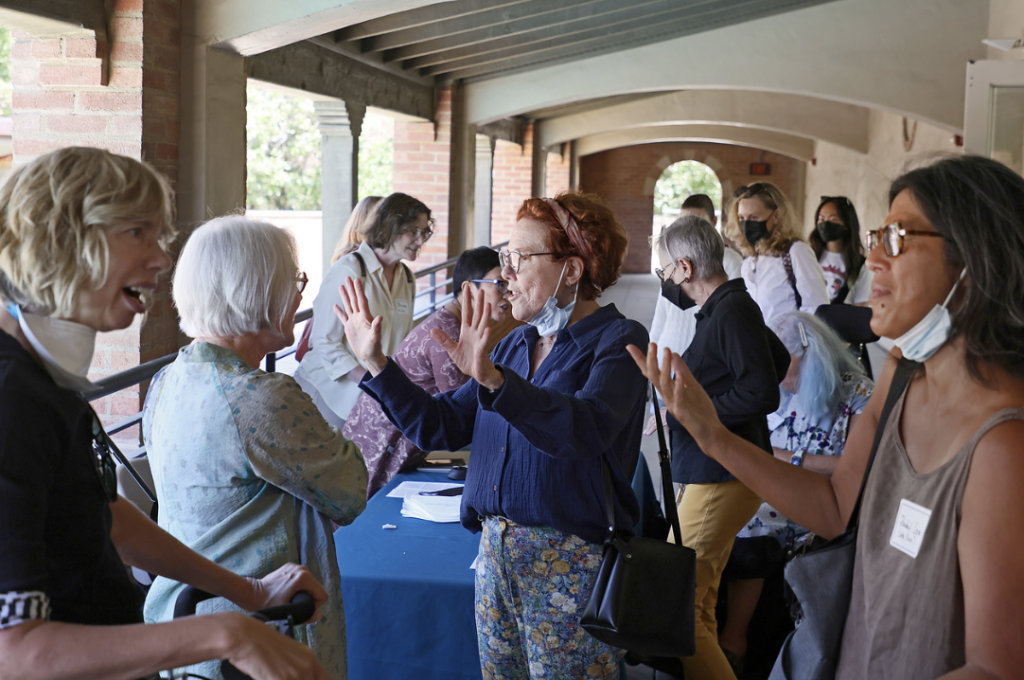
(327, 338)
(733, 263)
(810, 281)
(861, 290)
(660, 314)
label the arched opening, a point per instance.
(676, 183)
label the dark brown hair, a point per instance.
(394, 216)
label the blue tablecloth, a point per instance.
(408, 593)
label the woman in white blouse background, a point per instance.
(779, 268)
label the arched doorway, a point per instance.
(678, 181)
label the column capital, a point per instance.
(340, 118)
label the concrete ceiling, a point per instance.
(479, 39)
(799, 148)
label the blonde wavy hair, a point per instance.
(53, 216)
(353, 236)
(781, 237)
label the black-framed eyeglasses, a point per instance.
(301, 281)
(103, 459)
(502, 284)
(513, 258)
(663, 274)
(891, 237)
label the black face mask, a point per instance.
(754, 230)
(674, 294)
(831, 231)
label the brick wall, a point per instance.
(625, 177)
(62, 97)
(556, 179)
(512, 168)
(422, 167)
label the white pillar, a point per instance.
(484, 188)
(340, 124)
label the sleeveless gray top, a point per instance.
(906, 618)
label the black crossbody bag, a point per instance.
(822, 580)
(643, 599)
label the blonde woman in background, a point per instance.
(779, 268)
(353, 236)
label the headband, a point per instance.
(572, 230)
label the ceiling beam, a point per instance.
(788, 145)
(415, 18)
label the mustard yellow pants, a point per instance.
(710, 515)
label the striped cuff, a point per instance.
(18, 607)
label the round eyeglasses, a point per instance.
(891, 237)
(513, 259)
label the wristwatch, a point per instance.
(798, 458)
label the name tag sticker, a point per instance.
(911, 524)
(402, 306)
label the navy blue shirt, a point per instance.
(733, 358)
(538, 444)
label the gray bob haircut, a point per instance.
(693, 238)
(235, 276)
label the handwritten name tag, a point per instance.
(911, 524)
(401, 306)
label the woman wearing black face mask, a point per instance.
(836, 241)
(780, 270)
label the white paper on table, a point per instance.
(443, 509)
(406, 489)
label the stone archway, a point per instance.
(626, 178)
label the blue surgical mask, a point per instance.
(551, 318)
(931, 332)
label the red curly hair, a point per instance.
(599, 228)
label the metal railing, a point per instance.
(143, 372)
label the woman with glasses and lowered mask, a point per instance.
(385, 450)
(82, 242)
(946, 599)
(329, 372)
(836, 240)
(553, 403)
(779, 269)
(248, 472)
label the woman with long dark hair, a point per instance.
(837, 244)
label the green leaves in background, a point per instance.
(681, 180)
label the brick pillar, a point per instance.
(512, 177)
(557, 174)
(422, 157)
(62, 98)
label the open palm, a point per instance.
(470, 353)
(361, 328)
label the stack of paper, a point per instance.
(432, 508)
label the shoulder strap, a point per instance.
(842, 293)
(900, 380)
(787, 262)
(408, 273)
(362, 264)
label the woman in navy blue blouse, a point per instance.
(554, 398)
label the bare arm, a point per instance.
(143, 544)
(44, 650)
(812, 500)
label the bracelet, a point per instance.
(798, 458)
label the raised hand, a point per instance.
(471, 352)
(361, 329)
(684, 397)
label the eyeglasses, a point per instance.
(106, 468)
(891, 236)
(663, 273)
(502, 284)
(301, 281)
(513, 258)
(420, 234)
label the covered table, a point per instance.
(408, 593)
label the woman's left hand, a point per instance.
(280, 586)
(470, 352)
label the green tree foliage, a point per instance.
(681, 180)
(5, 73)
(283, 154)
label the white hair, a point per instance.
(235, 276)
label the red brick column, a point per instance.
(62, 98)
(512, 164)
(557, 172)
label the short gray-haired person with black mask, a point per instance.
(733, 358)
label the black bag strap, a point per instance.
(666, 482)
(842, 293)
(787, 262)
(900, 380)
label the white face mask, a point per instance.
(551, 318)
(931, 332)
(65, 348)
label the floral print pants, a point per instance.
(532, 584)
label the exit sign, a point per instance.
(760, 169)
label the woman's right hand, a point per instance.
(361, 328)
(684, 397)
(263, 653)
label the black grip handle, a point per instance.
(187, 601)
(298, 611)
